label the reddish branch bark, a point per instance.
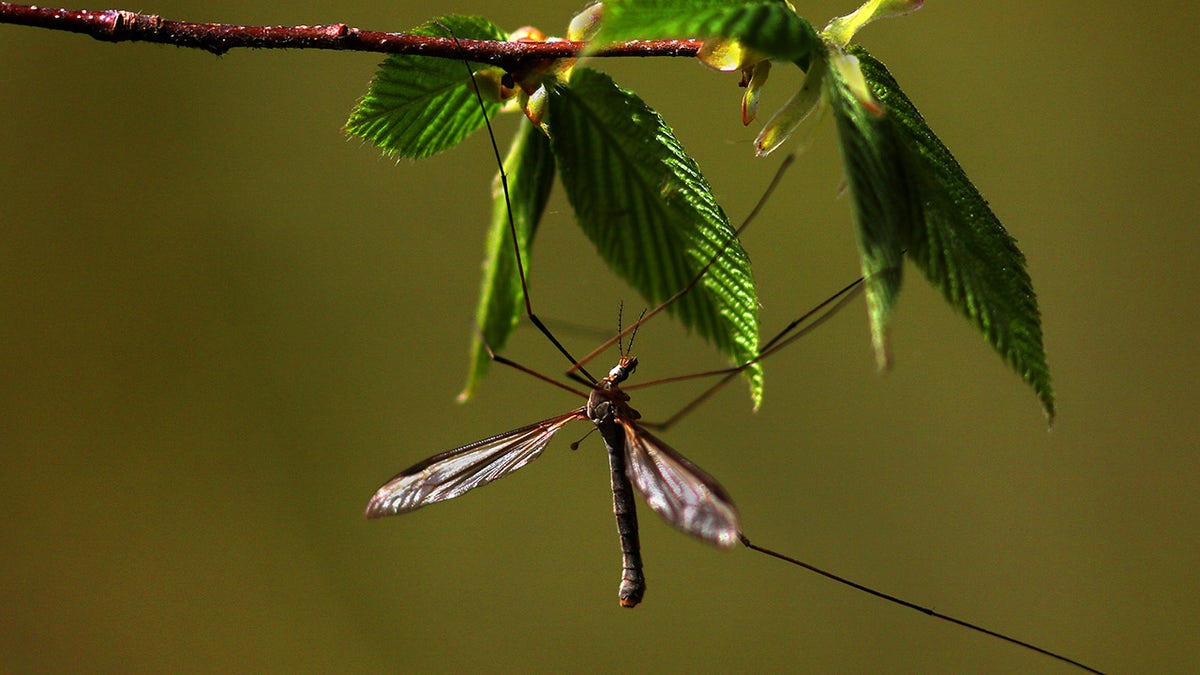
(117, 25)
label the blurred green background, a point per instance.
(224, 325)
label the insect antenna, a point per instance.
(632, 335)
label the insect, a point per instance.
(683, 494)
(675, 488)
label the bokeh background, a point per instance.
(224, 325)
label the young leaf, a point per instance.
(530, 169)
(418, 106)
(644, 203)
(770, 28)
(959, 244)
(882, 205)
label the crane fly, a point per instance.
(674, 487)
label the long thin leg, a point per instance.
(646, 316)
(913, 606)
(577, 365)
(823, 312)
(512, 227)
(505, 361)
(633, 582)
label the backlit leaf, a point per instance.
(959, 243)
(644, 203)
(530, 169)
(769, 28)
(881, 195)
(418, 106)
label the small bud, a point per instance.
(586, 24)
(527, 34)
(535, 107)
(758, 78)
(491, 85)
(723, 54)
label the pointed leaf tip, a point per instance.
(910, 194)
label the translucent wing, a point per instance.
(679, 491)
(456, 471)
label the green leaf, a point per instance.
(530, 169)
(767, 27)
(644, 203)
(418, 106)
(959, 243)
(881, 197)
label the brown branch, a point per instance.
(118, 25)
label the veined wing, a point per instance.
(456, 471)
(678, 490)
